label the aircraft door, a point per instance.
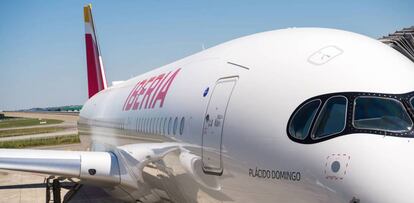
(213, 125)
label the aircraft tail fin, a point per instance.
(96, 73)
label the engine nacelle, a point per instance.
(99, 168)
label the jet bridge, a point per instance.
(402, 41)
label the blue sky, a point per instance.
(42, 53)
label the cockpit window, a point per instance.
(412, 102)
(332, 118)
(331, 115)
(378, 113)
(300, 124)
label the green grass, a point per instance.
(21, 122)
(29, 131)
(35, 142)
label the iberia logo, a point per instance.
(150, 92)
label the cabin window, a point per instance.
(165, 126)
(142, 124)
(378, 113)
(159, 125)
(147, 125)
(157, 128)
(137, 126)
(164, 131)
(154, 126)
(300, 124)
(182, 126)
(170, 126)
(332, 118)
(175, 125)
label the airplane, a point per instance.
(290, 115)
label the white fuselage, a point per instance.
(249, 88)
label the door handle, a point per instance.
(217, 121)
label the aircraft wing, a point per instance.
(94, 167)
(99, 167)
(122, 166)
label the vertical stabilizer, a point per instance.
(96, 73)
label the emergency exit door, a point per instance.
(213, 125)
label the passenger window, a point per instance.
(300, 124)
(153, 125)
(147, 125)
(175, 125)
(160, 126)
(138, 121)
(143, 125)
(164, 126)
(157, 127)
(150, 125)
(378, 113)
(332, 118)
(170, 126)
(182, 126)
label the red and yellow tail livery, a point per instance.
(96, 73)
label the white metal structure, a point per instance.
(292, 115)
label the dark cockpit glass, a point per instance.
(379, 113)
(302, 120)
(412, 102)
(331, 115)
(332, 118)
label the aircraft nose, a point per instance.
(382, 174)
